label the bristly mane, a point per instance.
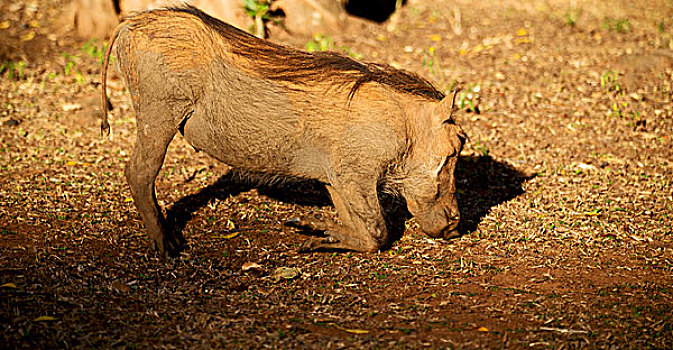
(283, 63)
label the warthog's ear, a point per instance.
(444, 111)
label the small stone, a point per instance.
(287, 273)
(10, 123)
(251, 266)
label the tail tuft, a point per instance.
(104, 129)
(105, 102)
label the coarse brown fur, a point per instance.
(274, 110)
(278, 62)
(282, 63)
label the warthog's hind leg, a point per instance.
(311, 222)
(146, 160)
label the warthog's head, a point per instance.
(429, 186)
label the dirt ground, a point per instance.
(565, 192)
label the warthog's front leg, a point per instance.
(362, 225)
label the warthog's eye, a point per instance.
(449, 121)
(438, 193)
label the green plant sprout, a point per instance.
(469, 98)
(258, 10)
(69, 63)
(610, 83)
(481, 147)
(430, 60)
(571, 16)
(619, 25)
(616, 109)
(91, 48)
(322, 43)
(79, 78)
(13, 70)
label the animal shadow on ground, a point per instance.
(234, 182)
(482, 183)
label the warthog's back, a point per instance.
(188, 38)
(262, 106)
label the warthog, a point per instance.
(270, 109)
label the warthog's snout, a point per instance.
(438, 220)
(444, 226)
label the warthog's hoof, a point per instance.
(314, 244)
(293, 222)
(337, 240)
(311, 222)
(168, 246)
(451, 234)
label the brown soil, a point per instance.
(565, 189)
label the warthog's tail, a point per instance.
(105, 103)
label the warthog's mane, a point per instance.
(282, 63)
